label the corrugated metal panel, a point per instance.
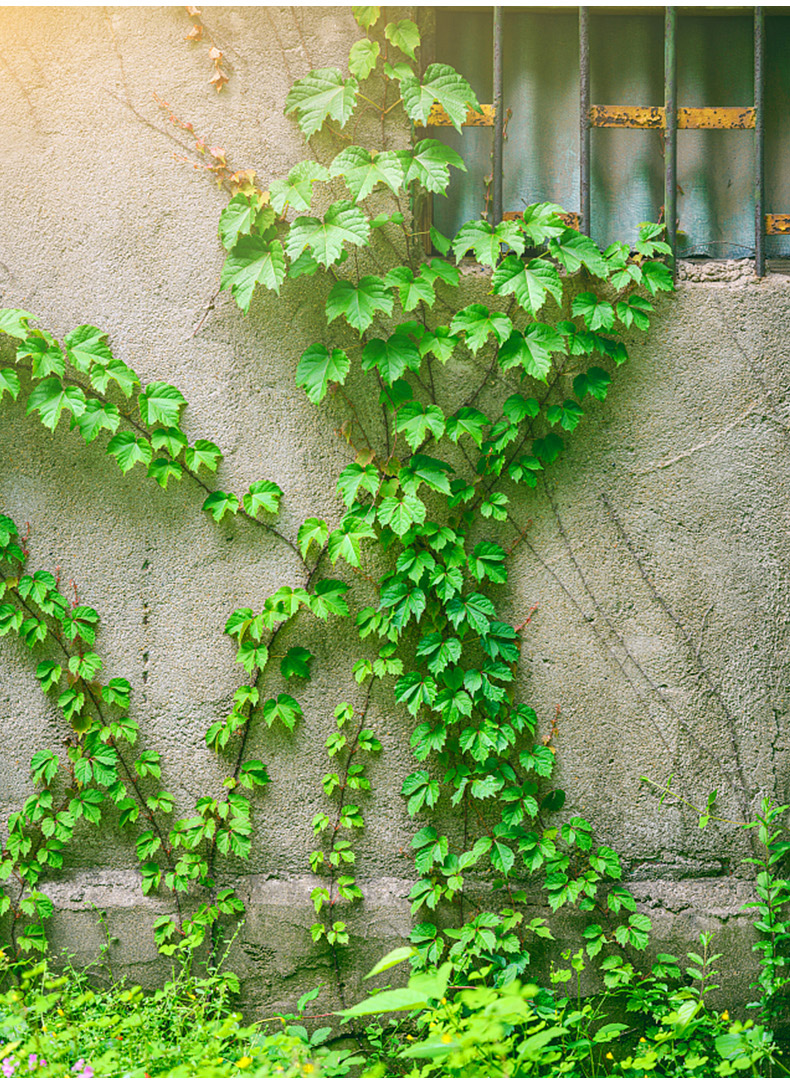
(541, 155)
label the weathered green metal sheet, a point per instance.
(715, 199)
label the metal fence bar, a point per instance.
(671, 131)
(759, 141)
(584, 121)
(499, 122)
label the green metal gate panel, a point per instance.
(715, 59)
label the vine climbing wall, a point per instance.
(649, 585)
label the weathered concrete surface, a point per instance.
(661, 626)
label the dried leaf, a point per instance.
(192, 10)
(195, 34)
(214, 53)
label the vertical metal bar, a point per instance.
(671, 131)
(499, 122)
(584, 121)
(759, 142)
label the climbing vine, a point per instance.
(461, 379)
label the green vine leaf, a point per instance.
(572, 250)
(50, 398)
(114, 370)
(242, 214)
(421, 790)
(297, 190)
(473, 610)
(362, 58)
(596, 313)
(317, 368)
(401, 514)
(219, 503)
(486, 241)
(413, 290)
(354, 477)
(415, 691)
(343, 224)
(328, 598)
(87, 345)
(362, 170)
(405, 35)
(96, 417)
(80, 624)
(44, 766)
(488, 561)
(262, 497)
(391, 357)
(15, 323)
(314, 531)
(441, 84)
(284, 709)
(478, 323)
(251, 261)
(170, 438)
(568, 414)
(366, 17)
(203, 454)
(428, 164)
(45, 354)
(346, 541)
(161, 403)
(9, 383)
(253, 774)
(296, 663)
(359, 304)
(162, 470)
(320, 96)
(530, 283)
(531, 350)
(416, 421)
(467, 421)
(428, 470)
(657, 277)
(130, 449)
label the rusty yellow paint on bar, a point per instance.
(627, 116)
(716, 117)
(710, 117)
(439, 118)
(777, 224)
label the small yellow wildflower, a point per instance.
(610, 1056)
(308, 1068)
(725, 1015)
(244, 1062)
(643, 1039)
(409, 1037)
(444, 1000)
(446, 1039)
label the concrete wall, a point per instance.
(657, 555)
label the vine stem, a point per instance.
(132, 778)
(241, 512)
(335, 830)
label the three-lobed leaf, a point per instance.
(441, 84)
(320, 96)
(251, 261)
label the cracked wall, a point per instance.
(656, 552)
